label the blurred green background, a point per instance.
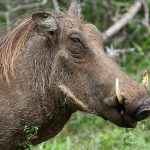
(85, 131)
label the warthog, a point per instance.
(53, 64)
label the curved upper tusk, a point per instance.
(118, 93)
(145, 78)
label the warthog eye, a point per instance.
(76, 44)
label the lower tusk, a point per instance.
(145, 78)
(118, 93)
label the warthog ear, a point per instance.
(75, 8)
(46, 25)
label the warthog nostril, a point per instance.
(142, 114)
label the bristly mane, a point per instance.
(10, 46)
(14, 41)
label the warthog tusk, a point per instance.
(145, 78)
(118, 93)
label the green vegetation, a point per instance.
(30, 133)
(88, 132)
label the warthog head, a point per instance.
(82, 71)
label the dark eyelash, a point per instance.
(75, 40)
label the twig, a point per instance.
(28, 6)
(146, 20)
(123, 21)
(2, 14)
(95, 12)
(115, 53)
(20, 7)
(56, 5)
(146, 9)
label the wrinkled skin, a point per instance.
(60, 70)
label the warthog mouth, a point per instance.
(127, 120)
(140, 111)
(118, 115)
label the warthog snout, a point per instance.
(143, 111)
(130, 102)
(137, 111)
(142, 114)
